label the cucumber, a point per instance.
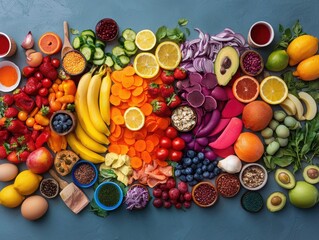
(124, 60)
(118, 51)
(129, 45)
(78, 42)
(117, 67)
(129, 34)
(90, 40)
(98, 54)
(130, 53)
(87, 51)
(88, 32)
(99, 62)
(117, 61)
(121, 40)
(100, 44)
(108, 61)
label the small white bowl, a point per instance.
(250, 165)
(11, 88)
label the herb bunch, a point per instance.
(287, 35)
(177, 34)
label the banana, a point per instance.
(89, 142)
(299, 107)
(289, 107)
(93, 102)
(104, 99)
(311, 105)
(81, 108)
(82, 151)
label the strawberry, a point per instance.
(7, 99)
(11, 112)
(173, 101)
(167, 77)
(13, 142)
(4, 134)
(23, 155)
(23, 139)
(13, 157)
(15, 126)
(4, 150)
(48, 71)
(167, 90)
(180, 74)
(153, 90)
(160, 108)
(30, 145)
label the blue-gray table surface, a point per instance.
(225, 220)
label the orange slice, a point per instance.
(273, 90)
(50, 43)
(246, 89)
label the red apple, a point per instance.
(40, 160)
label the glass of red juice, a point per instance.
(8, 46)
(260, 34)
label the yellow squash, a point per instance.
(301, 48)
(308, 69)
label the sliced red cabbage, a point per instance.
(195, 98)
(136, 198)
(210, 103)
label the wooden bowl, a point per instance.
(211, 197)
(244, 68)
(235, 184)
(65, 112)
(78, 60)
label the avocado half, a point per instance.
(285, 178)
(276, 201)
(226, 65)
(311, 174)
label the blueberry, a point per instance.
(195, 160)
(57, 117)
(204, 168)
(216, 171)
(68, 122)
(189, 170)
(211, 175)
(188, 161)
(189, 178)
(179, 166)
(215, 163)
(193, 183)
(201, 156)
(55, 122)
(206, 161)
(199, 171)
(199, 165)
(201, 177)
(190, 153)
(194, 166)
(205, 174)
(58, 128)
(210, 167)
(183, 171)
(64, 127)
(197, 176)
(182, 178)
(178, 173)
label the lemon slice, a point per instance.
(273, 90)
(145, 40)
(145, 65)
(134, 118)
(168, 55)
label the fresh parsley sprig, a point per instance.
(287, 35)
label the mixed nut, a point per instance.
(184, 118)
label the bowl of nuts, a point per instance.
(184, 118)
(253, 176)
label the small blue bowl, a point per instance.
(101, 205)
(76, 166)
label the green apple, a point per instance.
(303, 195)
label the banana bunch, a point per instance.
(92, 108)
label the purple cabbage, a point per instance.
(137, 197)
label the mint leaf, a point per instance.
(161, 33)
(182, 22)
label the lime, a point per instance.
(277, 61)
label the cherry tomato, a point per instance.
(171, 132)
(30, 122)
(162, 154)
(22, 115)
(55, 62)
(175, 156)
(43, 92)
(47, 83)
(178, 144)
(38, 76)
(165, 142)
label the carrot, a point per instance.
(136, 162)
(51, 96)
(161, 163)
(66, 99)
(112, 127)
(147, 109)
(124, 94)
(138, 81)
(116, 88)
(115, 100)
(138, 135)
(123, 106)
(163, 123)
(129, 141)
(128, 71)
(115, 112)
(138, 99)
(131, 152)
(118, 131)
(149, 146)
(154, 139)
(158, 81)
(137, 91)
(128, 133)
(146, 157)
(140, 145)
(113, 139)
(114, 148)
(128, 81)
(118, 119)
(124, 149)
(117, 76)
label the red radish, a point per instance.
(223, 153)
(229, 135)
(182, 187)
(188, 196)
(167, 204)
(157, 203)
(165, 195)
(171, 183)
(233, 108)
(223, 122)
(174, 193)
(187, 204)
(157, 192)
(178, 205)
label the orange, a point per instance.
(257, 115)
(246, 89)
(273, 90)
(248, 147)
(50, 43)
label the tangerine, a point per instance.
(248, 147)
(257, 115)
(50, 43)
(246, 89)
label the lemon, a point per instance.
(273, 90)
(134, 118)
(145, 65)
(10, 197)
(168, 55)
(27, 182)
(277, 61)
(145, 40)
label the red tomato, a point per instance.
(178, 144)
(162, 154)
(165, 142)
(38, 76)
(47, 83)
(55, 62)
(43, 92)
(175, 156)
(171, 132)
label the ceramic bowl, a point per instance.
(115, 187)
(62, 112)
(76, 181)
(254, 169)
(49, 182)
(107, 29)
(175, 123)
(204, 187)
(14, 86)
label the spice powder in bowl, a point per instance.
(253, 176)
(84, 174)
(73, 63)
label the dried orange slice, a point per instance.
(246, 89)
(134, 118)
(50, 43)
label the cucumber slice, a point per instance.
(90, 40)
(117, 67)
(108, 61)
(130, 53)
(121, 40)
(118, 51)
(129, 34)
(129, 45)
(100, 44)
(117, 61)
(98, 54)
(88, 32)
(124, 60)
(87, 51)
(78, 42)
(99, 62)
